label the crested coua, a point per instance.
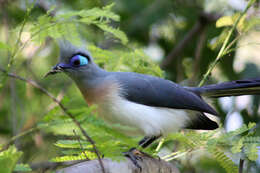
(152, 105)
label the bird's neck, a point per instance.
(98, 92)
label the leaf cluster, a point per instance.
(8, 160)
(66, 24)
(223, 146)
(109, 141)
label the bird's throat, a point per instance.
(100, 94)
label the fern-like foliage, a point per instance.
(66, 24)
(86, 155)
(8, 160)
(22, 168)
(110, 142)
(125, 60)
(223, 160)
(221, 145)
(251, 139)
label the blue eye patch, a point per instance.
(78, 60)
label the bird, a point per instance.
(153, 106)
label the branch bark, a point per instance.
(241, 164)
(44, 166)
(203, 21)
(198, 51)
(148, 164)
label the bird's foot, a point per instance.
(135, 155)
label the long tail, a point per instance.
(232, 88)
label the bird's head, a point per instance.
(75, 62)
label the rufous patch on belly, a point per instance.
(100, 94)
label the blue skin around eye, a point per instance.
(83, 60)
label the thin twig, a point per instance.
(80, 144)
(198, 52)
(65, 110)
(203, 21)
(159, 146)
(13, 108)
(225, 44)
(16, 49)
(241, 165)
(46, 7)
(20, 35)
(24, 133)
(175, 53)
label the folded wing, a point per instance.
(157, 92)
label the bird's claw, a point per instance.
(134, 155)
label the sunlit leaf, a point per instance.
(73, 144)
(242, 25)
(8, 159)
(4, 46)
(237, 146)
(251, 151)
(224, 21)
(22, 168)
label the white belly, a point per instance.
(149, 121)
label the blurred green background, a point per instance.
(178, 35)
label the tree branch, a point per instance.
(43, 166)
(43, 90)
(197, 58)
(203, 21)
(224, 47)
(241, 165)
(148, 164)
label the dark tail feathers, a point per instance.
(232, 88)
(201, 122)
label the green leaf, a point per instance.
(52, 114)
(52, 9)
(225, 138)
(80, 156)
(68, 158)
(116, 32)
(224, 21)
(65, 25)
(96, 13)
(251, 24)
(73, 144)
(218, 41)
(251, 151)
(230, 20)
(22, 168)
(252, 139)
(223, 160)
(4, 46)
(237, 146)
(8, 159)
(125, 60)
(251, 125)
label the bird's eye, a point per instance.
(78, 60)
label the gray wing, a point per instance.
(154, 91)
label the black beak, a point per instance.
(56, 69)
